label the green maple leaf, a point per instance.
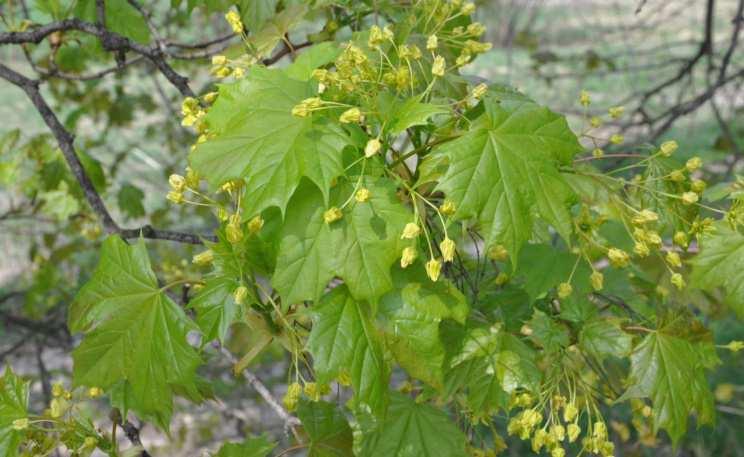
(602, 336)
(506, 357)
(411, 429)
(360, 248)
(506, 168)
(13, 406)
(215, 307)
(548, 333)
(413, 311)
(259, 139)
(720, 263)
(328, 429)
(670, 370)
(344, 338)
(315, 57)
(251, 447)
(134, 333)
(256, 12)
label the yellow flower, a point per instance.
(558, 431)
(438, 66)
(203, 258)
(57, 390)
(680, 239)
(698, 185)
(313, 391)
(376, 37)
(678, 281)
(598, 153)
(617, 139)
(641, 249)
(20, 424)
(56, 407)
(677, 176)
(525, 330)
(408, 256)
(498, 253)
(95, 392)
(238, 73)
(448, 208)
(219, 60)
(689, 198)
(479, 91)
(175, 197)
(645, 216)
(90, 442)
(673, 259)
(292, 397)
(584, 98)
(735, 346)
(595, 122)
(693, 164)
(255, 225)
(433, 268)
(239, 294)
(332, 215)
(616, 111)
(344, 378)
(410, 231)
(599, 430)
(476, 28)
(210, 97)
(618, 257)
(373, 147)
(432, 42)
(362, 195)
(501, 279)
(233, 18)
(570, 413)
(462, 59)
(351, 115)
(177, 182)
(234, 233)
(192, 178)
(468, 9)
(668, 147)
(597, 280)
(558, 452)
(564, 290)
(447, 246)
(572, 431)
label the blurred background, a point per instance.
(676, 66)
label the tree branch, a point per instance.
(66, 144)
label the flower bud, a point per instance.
(373, 147)
(616, 111)
(597, 280)
(447, 246)
(203, 258)
(95, 392)
(673, 259)
(438, 66)
(584, 98)
(255, 225)
(690, 198)
(618, 258)
(498, 253)
(239, 295)
(432, 43)
(617, 139)
(20, 424)
(680, 239)
(433, 268)
(332, 215)
(698, 186)
(668, 147)
(177, 182)
(90, 442)
(410, 231)
(693, 164)
(351, 115)
(219, 60)
(479, 91)
(448, 208)
(564, 290)
(572, 431)
(175, 197)
(362, 195)
(678, 281)
(234, 233)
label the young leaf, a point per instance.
(134, 333)
(328, 429)
(315, 57)
(413, 312)
(260, 140)
(413, 429)
(13, 406)
(343, 338)
(251, 447)
(508, 164)
(720, 263)
(670, 371)
(602, 336)
(215, 308)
